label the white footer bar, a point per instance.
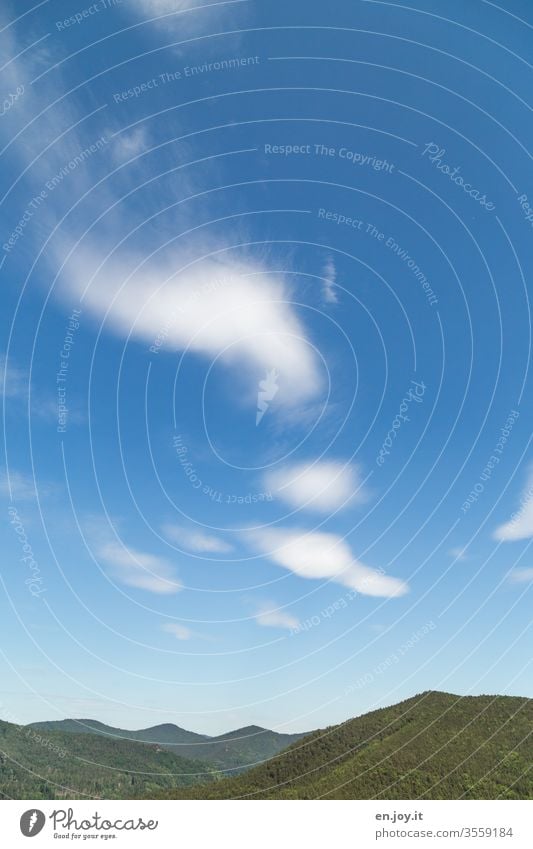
(269, 825)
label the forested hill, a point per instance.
(433, 746)
(167, 734)
(233, 751)
(36, 764)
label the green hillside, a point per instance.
(234, 751)
(37, 764)
(433, 746)
(240, 749)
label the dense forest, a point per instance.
(433, 746)
(58, 765)
(232, 752)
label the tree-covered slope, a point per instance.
(37, 764)
(433, 746)
(240, 749)
(234, 751)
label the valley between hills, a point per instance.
(432, 746)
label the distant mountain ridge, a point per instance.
(432, 746)
(235, 750)
(164, 734)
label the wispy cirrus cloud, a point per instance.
(316, 555)
(269, 616)
(183, 16)
(163, 7)
(520, 525)
(220, 305)
(17, 388)
(521, 576)
(321, 486)
(180, 632)
(22, 487)
(130, 144)
(196, 540)
(139, 569)
(167, 7)
(329, 279)
(14, 381)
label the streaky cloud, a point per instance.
(317, 555)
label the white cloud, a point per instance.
(47, 409)
(322, 486)
(15, 384)
(164, 7)
(196, 540)
(196, 11)
(215, 308)
(270, 617)
(161, 7)
(139, 569)
(329, 278)
(127, 145)
(459, 553)
(520, 525)
(21, 487)
(316, 555)
(178, 631)
(14, 381)
(231, 308)
(521, 576)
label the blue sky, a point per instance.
(273, 260)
